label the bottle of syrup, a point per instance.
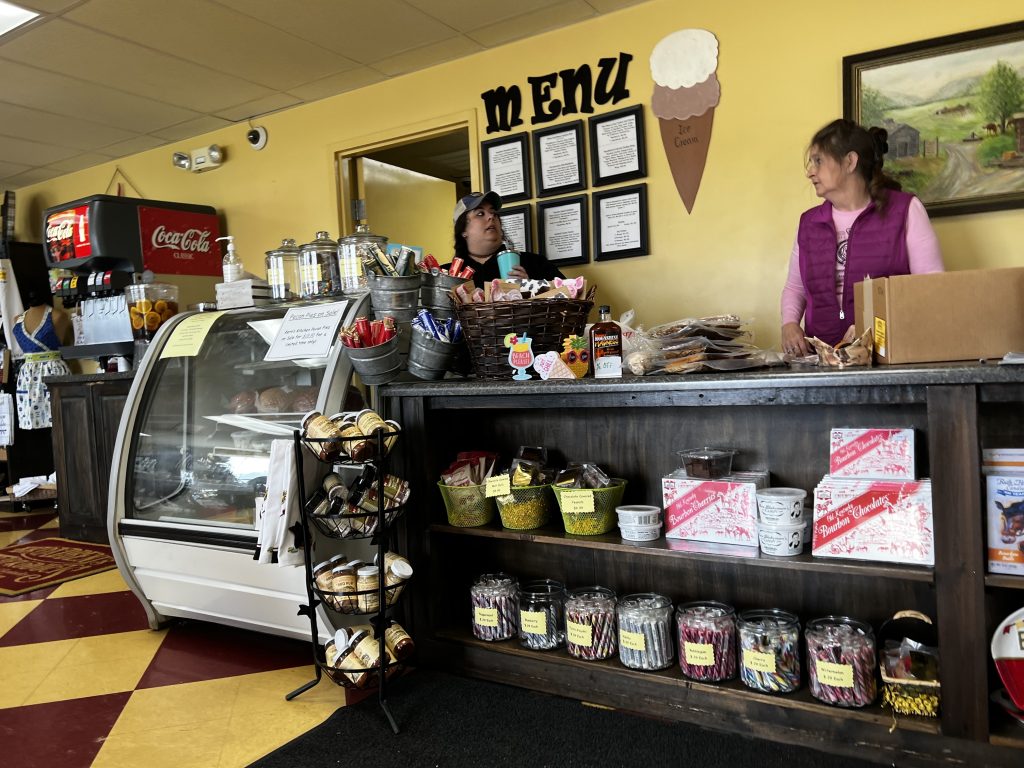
(606, 346)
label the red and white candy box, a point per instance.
(874, 520)
(722, 511)
(880, 454)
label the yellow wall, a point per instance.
(781, 72)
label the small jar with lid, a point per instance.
(495, 606)
(318, 267)
(769, 648)
(397, 573)
(368, 585)
(590, 632)
(398, 641)
(841, 661)
(541, 615)
(343, 585)
(645, 631)
(352, 251)
(707, 640)
(283, 270)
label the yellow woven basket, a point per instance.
(602, 519)
(466, 505)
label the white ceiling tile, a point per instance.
(46, 6)
(34, 124)
(335, 84)
(191, 128)
(533, 23)
(132, 146)
(213, 36)
(256, 107)
(15, 150)
(9, 169)
(31, 176)
(609, 6)
(427, 56)
(78, 162)
(467, 15)
(93, 56)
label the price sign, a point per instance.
(307, 332)
(578, 502)
(498, 486)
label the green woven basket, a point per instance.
(466, 505)
(602, 519)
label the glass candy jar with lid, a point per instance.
(495, 606)
(645, 631)
(541, 620)
(318, 268)
(352, 251)
(590, 623)
(283, 270)
(769, 650)
(841, 661)
(707, 640)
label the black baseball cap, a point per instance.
(474, 200)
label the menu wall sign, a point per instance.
(579, 92)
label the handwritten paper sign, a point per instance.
(498, 485)
(307, 332)
(187, 339)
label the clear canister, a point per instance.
(318, 267)
(841, 661)
(590, 623)
(769, 650)
(645, 631)
(707, 640)
(352, 249)
(495, 601)
(283, 270)
(541, 614)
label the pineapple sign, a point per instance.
(576, 354)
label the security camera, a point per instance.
(257, 137)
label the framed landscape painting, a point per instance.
(954, 111)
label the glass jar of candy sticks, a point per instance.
(495, 603)
(769, 650)
(541, 621)
(645, 631)
(590, 623)
(841, 661)
(707, 640)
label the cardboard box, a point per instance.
(1005, 514)
(1002, 461)
(874, 520)
(943, 316)
(722, 511)
(878, 454)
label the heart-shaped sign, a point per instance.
(543, 364)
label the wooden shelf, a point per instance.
(690, 550)
(1007, 732)
(1004, 581)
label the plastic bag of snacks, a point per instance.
(587, 498)
(694, 344)
(463, 488)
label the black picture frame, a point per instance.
(600, 146)
(516, 170)
(510, 212)
(933, 136)
(608, 251)
(570, 166)
(546, 242)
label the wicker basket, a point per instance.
(602, 519)
(467, 506)
(912, 697)
(525, 508)
(546, 321)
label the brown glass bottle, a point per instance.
(606, 346)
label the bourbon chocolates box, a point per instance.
(874, 520)
(1005, 514)
(722, 511)
(872, 454)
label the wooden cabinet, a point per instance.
(779, 421)
(86, 414)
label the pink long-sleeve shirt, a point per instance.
(922, 250)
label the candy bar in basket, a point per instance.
(520, 290)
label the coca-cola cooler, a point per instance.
(109, 243)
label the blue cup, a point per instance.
(507, 260)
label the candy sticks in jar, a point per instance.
(495, 602)
(540, 615)
(707, 640)
(645, 631)
(841, 661)
(590, 623)
(769, 650)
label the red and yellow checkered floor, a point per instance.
(87, 683)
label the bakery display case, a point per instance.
(192, 459)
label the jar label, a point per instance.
(578, 502)
(759, 661)
(635, 641)
(485, 617)
(699, 654)
(498, 486)
(579, 634)
(838, 675)
(534, 622)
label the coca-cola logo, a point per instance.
(195, 240)
(61, 229)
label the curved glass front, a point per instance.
(201, 450)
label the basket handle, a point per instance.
(912, 615)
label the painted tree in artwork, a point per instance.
(872, 107)
(1002, 94)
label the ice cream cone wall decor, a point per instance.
(686, 92)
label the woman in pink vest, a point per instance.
(866, 227)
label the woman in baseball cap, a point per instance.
(479, 237)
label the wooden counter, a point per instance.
(780, 420)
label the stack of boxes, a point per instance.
(722, 511)
(1004, 471)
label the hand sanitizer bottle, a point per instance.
(232, 265)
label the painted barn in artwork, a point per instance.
(904, 140)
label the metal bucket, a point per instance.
(391, 295)
(434, 294)
(376, 365)
(430, 358)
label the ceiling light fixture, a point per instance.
(199, 160)
(181, 160)
(13, 16)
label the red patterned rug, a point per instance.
(48, 562)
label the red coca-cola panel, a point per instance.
(67, 234)
(177, 242)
